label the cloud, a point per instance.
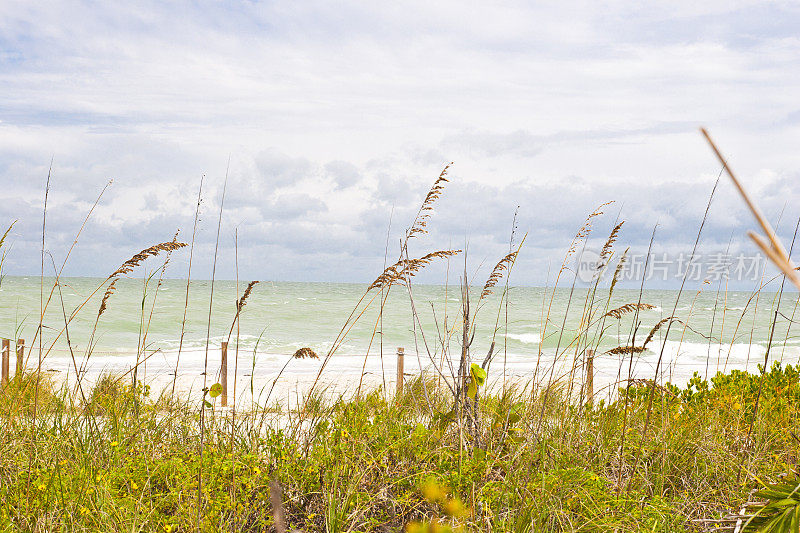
(337, 119)
(279, 170)
(343, 174)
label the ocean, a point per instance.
(142, 325)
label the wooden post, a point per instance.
(6, 355)
(401, 355)
(20, 356)
(224, 374)
(589, 376)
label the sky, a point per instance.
(332, 120)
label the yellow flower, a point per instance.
(84, 511)
(168, 528)
(134, 486)
(432, 491)
(41, 487)
(454, 508)
(257, 471)
(114, 443)
(737, 406)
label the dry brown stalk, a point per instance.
(617, 272)
(424, 213)
(626, 349)
(302, 353)
(628, 308)
(3, 238)
(243, 300)
(586, 229)
(772, 249)
(497, 272)
(128, 266)
(606, 251)
(405, 269)
(639, 349)
(656, 328)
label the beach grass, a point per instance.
(458, 450)
(129, 461)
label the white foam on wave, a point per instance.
(693, 352)
(525, 338)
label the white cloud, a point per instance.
(335, 115)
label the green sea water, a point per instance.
(145, 321)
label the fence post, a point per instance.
(6, 355)
(224, 374)
(589, 376)
(401, 355)
(20, 356)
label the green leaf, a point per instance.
(478, 374)
(515, 413)
(216, 390)
(442, 420)
(472, 389)
(478, 377)
(207, 403)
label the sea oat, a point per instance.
(586, 229)
(639, 349)
(302, 353)
(656, 328)
(403, 270)
(606, 251)
(3, 238)
(424, 213)
(628, 308)
(128, 266)
(626, 349)
(243, 300)
(497, 272)
(617, 272)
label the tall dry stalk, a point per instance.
(69, 253)
(205, 359)
(188, 281)
(771, 246)
(41, 316)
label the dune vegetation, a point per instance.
(448, 453)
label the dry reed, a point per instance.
(304, 353)
(243, 300)
(500, 268)
(629, 308)
(404, 269)
(128, 266)
(419, 226)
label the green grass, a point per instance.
(124, 461)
